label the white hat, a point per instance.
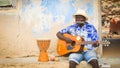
(81, 12)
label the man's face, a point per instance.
(80, 19)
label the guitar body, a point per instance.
(63, 47)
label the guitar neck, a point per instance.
(105, 43)
(88, 42)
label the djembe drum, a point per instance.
(43, 46)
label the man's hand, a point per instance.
(96, 44)
(60, 36)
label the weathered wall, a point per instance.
(39, 19)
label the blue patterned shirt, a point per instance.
(87, 32)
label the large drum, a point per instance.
(43, 46)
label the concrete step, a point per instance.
(32, 62)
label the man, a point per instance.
(88, 32)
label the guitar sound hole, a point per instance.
(71, 46)
(73, 43)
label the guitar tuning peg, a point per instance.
(107, 45)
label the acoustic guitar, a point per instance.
(64, 48)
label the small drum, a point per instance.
(43, 46)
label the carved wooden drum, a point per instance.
(43, 45)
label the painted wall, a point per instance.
(39, 19)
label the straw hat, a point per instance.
(81, 12)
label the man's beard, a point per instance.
(80, 22)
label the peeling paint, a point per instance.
(39, 19)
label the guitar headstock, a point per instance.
(105, 42)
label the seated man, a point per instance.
(88, 32)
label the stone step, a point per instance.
(32, 62)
